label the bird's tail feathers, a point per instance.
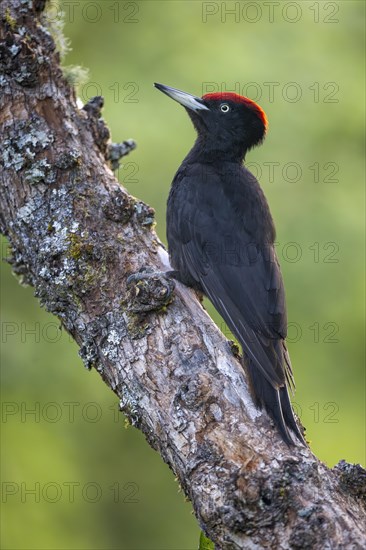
(276, 402)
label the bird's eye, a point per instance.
(224, 108)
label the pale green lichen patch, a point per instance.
(144, 214)
(69, 159)
(27, 5)
(9, 20)
(54, 21)
(136, 326)
(102, 336)
(20, 58)
(130, 407)
(48, 223)
(40, 171)
(27, 138)
(75, 75)
(235, 350)
(352, 478)
(78, 246)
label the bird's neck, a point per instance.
(213, 150)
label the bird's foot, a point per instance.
(149, 290)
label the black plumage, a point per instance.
(221, 241)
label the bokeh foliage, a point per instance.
(319, 218)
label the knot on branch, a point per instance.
(352, 479)
(116, 151)
(119, 207)
(112, 152)
(148, 290)
(97, 125)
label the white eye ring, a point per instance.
(224, 108)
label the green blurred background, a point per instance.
(95, 484)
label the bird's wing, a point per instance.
(240, 277)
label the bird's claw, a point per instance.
(149, 290)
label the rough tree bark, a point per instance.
(76, 236)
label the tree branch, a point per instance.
(77, 236)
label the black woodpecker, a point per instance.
(221, 242)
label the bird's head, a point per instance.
(226, 122)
